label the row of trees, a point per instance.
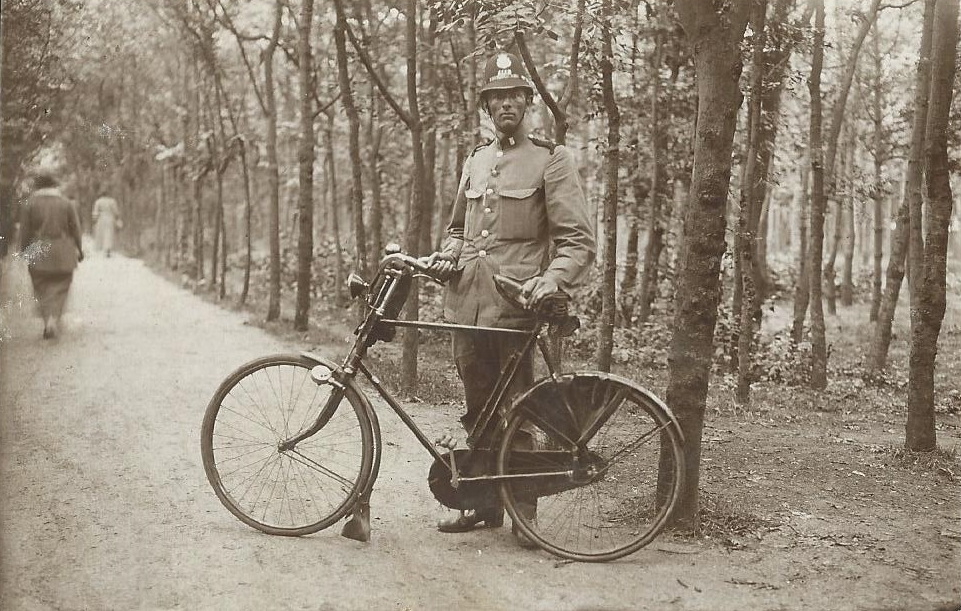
(266, 146)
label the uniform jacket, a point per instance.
(50, 235)
(520, 211)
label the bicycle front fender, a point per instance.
(352, 391)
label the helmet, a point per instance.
(505, 71)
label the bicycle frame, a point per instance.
(388, 279)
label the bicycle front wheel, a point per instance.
(587, 450)
(292, 492)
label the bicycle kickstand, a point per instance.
(358, 527)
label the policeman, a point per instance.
(520, 211)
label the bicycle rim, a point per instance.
(295, 492)
(604, 437)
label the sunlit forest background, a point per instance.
(263, 149)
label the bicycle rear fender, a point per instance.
(547, 381)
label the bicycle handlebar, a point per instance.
(420, 265)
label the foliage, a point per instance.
(37, 38)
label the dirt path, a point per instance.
(105, 505)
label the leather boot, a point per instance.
(491, 517)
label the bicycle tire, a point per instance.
(295, 492)
(607, 435)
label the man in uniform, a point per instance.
(520, 212)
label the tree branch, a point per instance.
(365, 59)
(560, 117)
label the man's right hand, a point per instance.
(440, 265)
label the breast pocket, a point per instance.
(522, 215)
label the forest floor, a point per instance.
(808, 500)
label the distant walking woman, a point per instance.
(50, 241)
(106, 218)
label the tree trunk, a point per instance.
(833, 139)
(715, 34)
(356, 165)
(248, 246)
(333, 212)
(415, 217)
(927, 309)
(744, 237)
(605, 344)
(846, 218)
(659, 189)
(774, 61)
(305, 163)
(819, 356)
(802, 290)
(877, 192)
(911, 196)
(273, 171)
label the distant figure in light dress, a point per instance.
(106, 218)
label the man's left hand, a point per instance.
(536, 289)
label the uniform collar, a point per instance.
(508, 142)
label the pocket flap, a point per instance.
(519, 271)
(517, 193)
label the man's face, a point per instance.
(506, 108)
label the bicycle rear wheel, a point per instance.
(602, 437)
(298, 491)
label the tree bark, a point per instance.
(877, 192)
(744, 237)
(846, 209)
(413, 237)
(834, 135)
(305, 164)
(802, 290)
(605, 344)
(659, 189)
(273, 171)
(927, 309)
(715, 32)
(818, 203)
(911, 196)
(361, 261)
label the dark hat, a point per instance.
(505, 71)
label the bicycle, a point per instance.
(291, 443)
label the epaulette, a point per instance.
(480, 146)
(550, 145)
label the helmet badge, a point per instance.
(503, 61)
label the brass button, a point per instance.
(485, 233)
(482, 253)
(500, 153)
(487, 211)
(493, 171)
(489, 191)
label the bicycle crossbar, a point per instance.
(450, 326)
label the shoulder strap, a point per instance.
(550, 145)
